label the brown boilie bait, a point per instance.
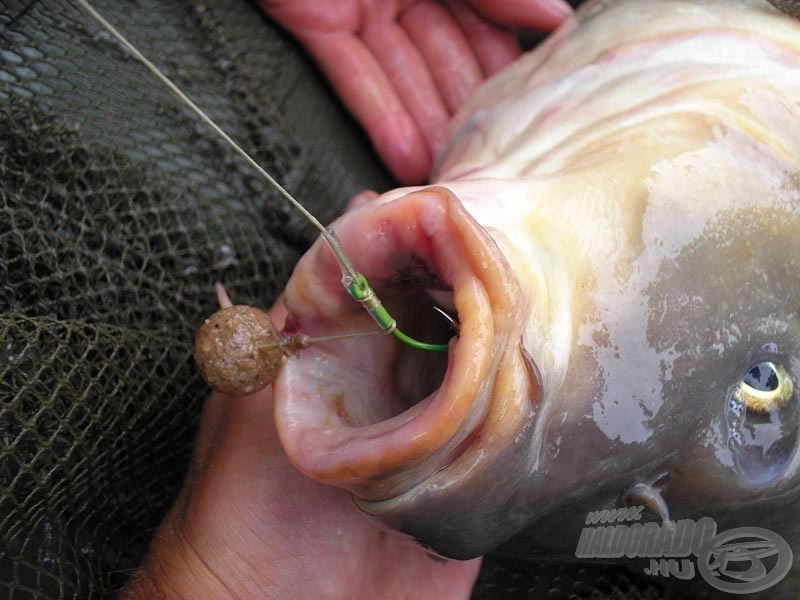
(238, 350)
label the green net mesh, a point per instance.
(118, 211)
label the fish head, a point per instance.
(578, 370)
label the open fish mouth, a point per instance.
(375, 416)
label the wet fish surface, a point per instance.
(616, 223)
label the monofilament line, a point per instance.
(333, 242)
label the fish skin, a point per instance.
(638, 178)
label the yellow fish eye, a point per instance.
(766, 386)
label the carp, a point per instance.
(615, 221)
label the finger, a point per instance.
(207, 432)
(441, 42)
(212, 411)
(366, 91)
(302, 17)
(494, 46)
(412, 81)
(220, 408)
(362, 198)
(524, 14)
(223, 299)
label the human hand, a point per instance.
(247, 524)
(403, 67)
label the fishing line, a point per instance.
(354, 282)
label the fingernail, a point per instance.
(561, 7)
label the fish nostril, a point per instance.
(649, 494)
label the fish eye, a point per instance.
(766, 386)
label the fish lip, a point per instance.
(383, 459)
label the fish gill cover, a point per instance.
(118, 210)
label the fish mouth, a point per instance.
(371, 414)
